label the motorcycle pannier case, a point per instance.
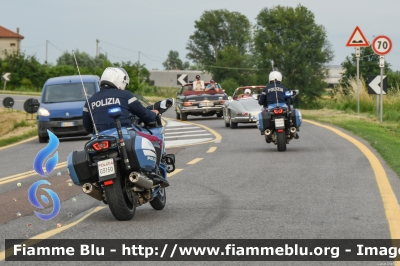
(141, 153)
(79, 169)
(264, 120)
(296, 118)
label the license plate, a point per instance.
(106, 167)
(206, 103)
(68, 124)
(280, 122)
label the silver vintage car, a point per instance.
(242, 107)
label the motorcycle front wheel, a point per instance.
(120, 197)
(158, 203)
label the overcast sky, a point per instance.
(154, 27)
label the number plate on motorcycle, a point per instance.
(106, 167)
(280, 122)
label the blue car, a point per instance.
(61, 105)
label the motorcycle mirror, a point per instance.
(294, 93)
(170, 102)
(163, 104)
(167, 103)
(114, 112)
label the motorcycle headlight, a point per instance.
(43, 112)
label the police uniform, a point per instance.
(107, 98)
(270, 93)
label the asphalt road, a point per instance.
(230, 185)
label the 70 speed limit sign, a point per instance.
(382, 45)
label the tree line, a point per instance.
(27, 73)
(231, 48)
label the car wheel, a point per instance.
(183, 116)
(219, 114)
(232, 124)
(42, 139)
(226, 116)
(178, 115)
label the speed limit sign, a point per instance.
(382, 45)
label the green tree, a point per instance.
(87, 64)
(229, 57)
(136, 80)
(297, 45)
(173, 62)
(368, 65)
(219, 37)
(393, 78)
(25, 70)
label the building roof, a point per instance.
(6, 33)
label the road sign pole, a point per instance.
(358, 78)
(382, 65)
(5, 82)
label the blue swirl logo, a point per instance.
(45, 152)
(34, 201)
(38, 166)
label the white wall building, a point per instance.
(174, 78)
(9, 41)
(335, 74)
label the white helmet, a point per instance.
(247, 91)
(115, 77)
(275, 76)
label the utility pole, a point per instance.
(97, 47)
(138, 69)
(47, 42)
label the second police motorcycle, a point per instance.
(279, 122)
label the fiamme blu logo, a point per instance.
(39, 163)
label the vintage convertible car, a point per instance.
(191, 102)
(242, 109)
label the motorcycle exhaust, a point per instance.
(267, 132)
(92, 191)
(293, 130)
(140, 180)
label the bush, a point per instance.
(229, 85)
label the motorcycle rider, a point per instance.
(112, 93)
(274, 92)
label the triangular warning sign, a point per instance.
(357, 39)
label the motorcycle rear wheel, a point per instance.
(158, 203)
(281, 141)
(118, 200)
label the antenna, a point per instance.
(276, 91)
(84, 91)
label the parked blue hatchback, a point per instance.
(61, 105)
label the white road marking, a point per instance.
(186, 132)
(193, 135)
(174, 143)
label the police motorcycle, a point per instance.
(280, 122)
(122, 167)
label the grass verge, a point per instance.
(383, 137)
(15, 139)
